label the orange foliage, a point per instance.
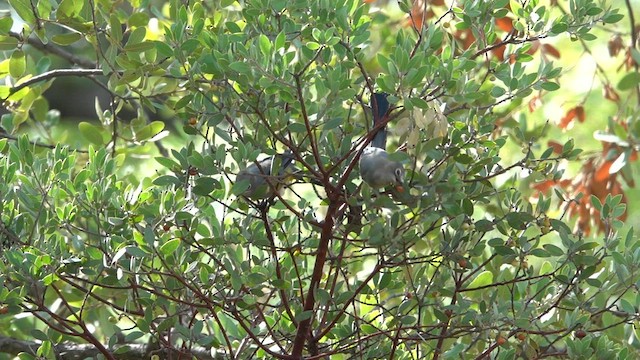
(557, 147)
(418, 14)
(572, 114)
(551, 51)
(595, 179)
(535, 103)
(505, 24)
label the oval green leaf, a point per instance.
(91, 133)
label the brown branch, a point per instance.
(509, 39)
(274, 254)
(69, 351)
(304, 327)
(51, 75)
(55, 50)
(4, 135)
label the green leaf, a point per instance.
(166, 180)
(559, 28)
(385, 280)
(265, 45)
(8, 43)
(66, 39)
(69, 8)
(241, 67)
(164, 49)
(169, 247)
(553, 250)
(629, 81)
(168, 163)
(312, 45)
(596, 202)
(5, 25)
(484, 225)
(205, 185)
(17, 63)
(116, 28)
(39, 334)
(139, 19)
(483, 279)
(304, 315)
(612, 18)
(550, 86)
(149, 131)
(519, 220)
(91, 133)
(24, 10)
(280, 41)
(140, 47)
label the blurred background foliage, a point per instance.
(125, 123)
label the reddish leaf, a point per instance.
(556, 146)
(505, 24)
(615, 45)
(602, 175)
(418, 16)
(535, 45)
(498, 52)
(573, 113)
(535, 103)
(610, 93)
(595, 179)
(466, 37)
(629, 62)
(580, 113)
(544, 186)
(551, 51)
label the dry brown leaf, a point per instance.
(551, 51)
(610, 93)
(615, 45)
(534, 103)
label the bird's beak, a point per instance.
(399, 188)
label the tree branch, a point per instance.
(69, 351)
(53, 74)
(52, 49)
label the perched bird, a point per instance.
(258, 176)
(375, 167)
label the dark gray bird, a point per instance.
(375, 167)
(258, 176)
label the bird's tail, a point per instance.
(380, 107)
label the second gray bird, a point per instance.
(260, 179)
(376, 169)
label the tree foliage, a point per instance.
(475, 258)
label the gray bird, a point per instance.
(261, 184)
(375, 167)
